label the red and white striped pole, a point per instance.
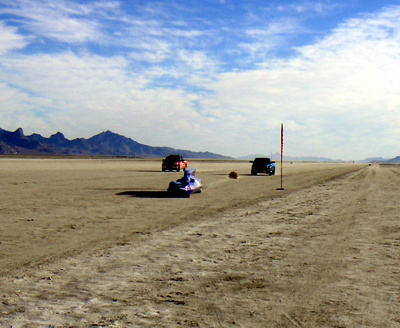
(281, 188)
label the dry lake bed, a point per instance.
(100, 243)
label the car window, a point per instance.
(261, 161)
(173, 158)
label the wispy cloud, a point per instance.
(310, 7)
(64, 21)
(180, 76)
(341, 89)
(10, 39)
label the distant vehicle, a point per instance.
(186, 185)
(262, 165)
(173, 163)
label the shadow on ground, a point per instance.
(146, 171)
(150, 194)
(255, 175)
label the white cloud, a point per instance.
(65, 21)
(319, 7)
(10, 39)
(334, 97)
(87, 93)
(67, 29)
(19, 109)
(264, 37)
(196, 60)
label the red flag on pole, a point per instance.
(282, 138)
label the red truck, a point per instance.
(173, 163)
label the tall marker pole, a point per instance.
(281, 188)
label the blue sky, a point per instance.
(205, 75)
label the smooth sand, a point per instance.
(90, 243)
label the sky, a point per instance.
(207, 75)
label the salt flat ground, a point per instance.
(96, 242)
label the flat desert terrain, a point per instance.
(100, 243)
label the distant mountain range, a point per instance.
(111, 144)
(104, 144)
(277, 156)
(395, 160)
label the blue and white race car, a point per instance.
(186, 185)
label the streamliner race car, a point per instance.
(186, 185)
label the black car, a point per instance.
(262, 165)
(174, 162)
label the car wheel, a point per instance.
(253, 172)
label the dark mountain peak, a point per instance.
(57, 137)
(18, 133)
(395, 160)
(107, 136)
(108, 133)
(17, 138)
(36, 137)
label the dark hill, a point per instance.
(104, 144)
(395, 160)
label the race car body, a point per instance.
(186, 185)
